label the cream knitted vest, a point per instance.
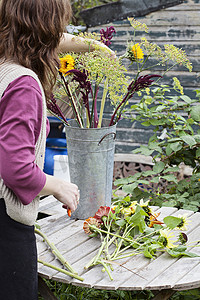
(25, 214)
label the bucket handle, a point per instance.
(106, 136)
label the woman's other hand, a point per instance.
(65, 192)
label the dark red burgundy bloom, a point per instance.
(54, 108)
(136, 85)
(107, 35)
(141, 83)
(82, 78)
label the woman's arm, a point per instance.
(73, 43)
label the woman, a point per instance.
(31, 34)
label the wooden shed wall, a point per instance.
(178, 25)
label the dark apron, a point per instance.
(18, 259)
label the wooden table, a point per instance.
(163, 275)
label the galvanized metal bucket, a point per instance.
(91, 161)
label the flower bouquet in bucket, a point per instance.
(86, 81)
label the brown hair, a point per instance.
(30, 32)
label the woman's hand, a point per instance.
(65, 192)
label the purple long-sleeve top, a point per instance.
(20, 124)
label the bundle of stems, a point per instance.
(71, 272)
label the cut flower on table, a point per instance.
(129, 228)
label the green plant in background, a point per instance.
(174, 117)
(176, 140)
(69, 292)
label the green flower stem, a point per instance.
(58, 117)
(169, 69)
(147, 235)
(87, 119)
(56, 252)
(75, 108)
(60, 270)
(94, 228)
(94, 260)
(121, 241)
(109, 243)
(96, 89)
(99, 252)
(194, 242)
(106, 268)
(103, 101)
(128, 255)
(73, 104)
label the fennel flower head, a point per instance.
(138, 25)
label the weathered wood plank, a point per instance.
(133, 157)
(180, 268)
(156, 268)
(190, 281)
(51, 206)
(61, 222)
(164, 32)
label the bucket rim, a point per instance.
(90, 128)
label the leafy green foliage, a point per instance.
(69, 292)
(175, 141)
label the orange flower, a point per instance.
(88, 222)
(153, 220)
(101, 212)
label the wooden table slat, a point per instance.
(177, 270)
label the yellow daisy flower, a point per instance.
(184, 222)
(66, 63)
(166, 238)
(145, 206)
(137, 51)
(133, 206)
(126, 211)
(130, 210)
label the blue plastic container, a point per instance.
(54, 146)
